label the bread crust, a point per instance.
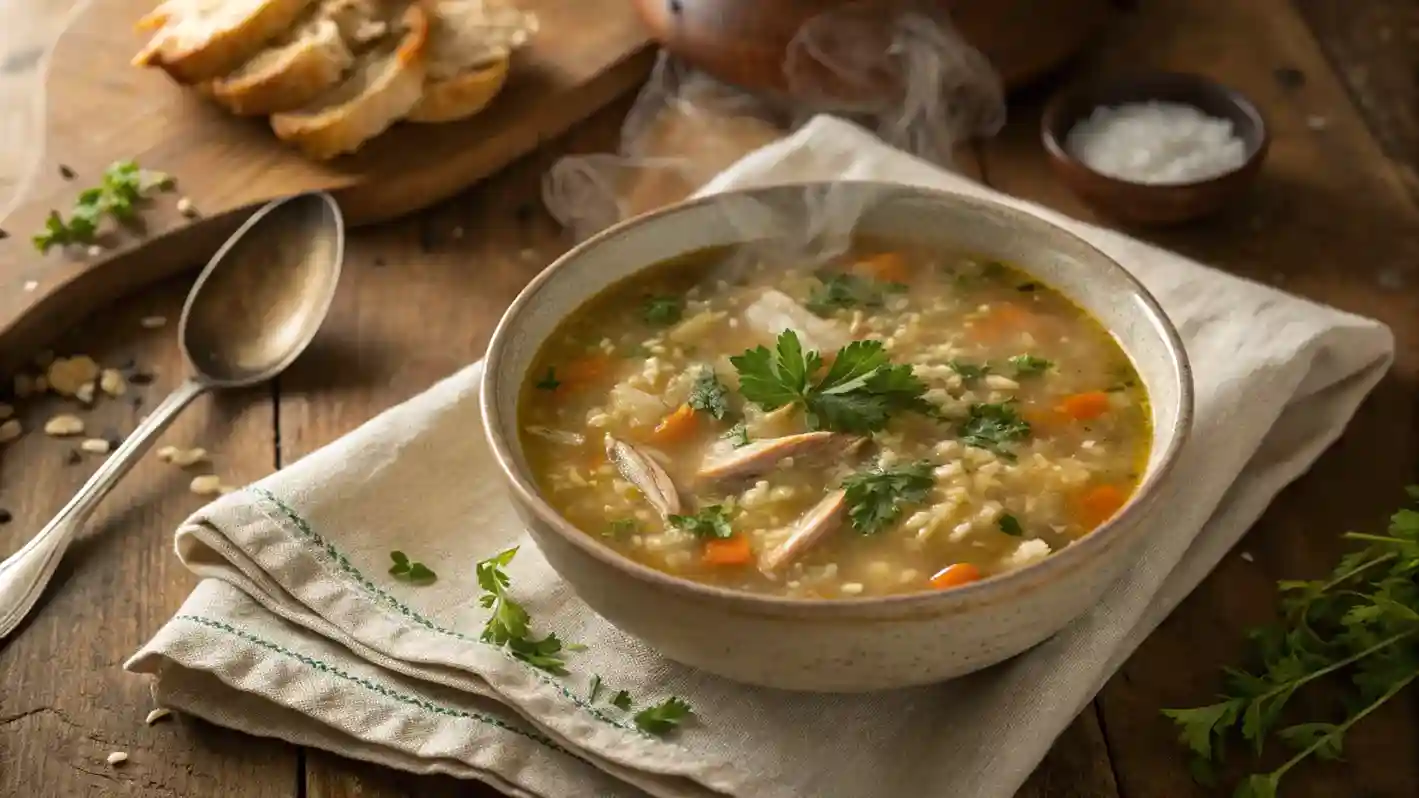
(289, 76)
(194, 44)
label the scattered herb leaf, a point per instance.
(709, 522)
(708, 394)
(1010, 525)
(509, 624)
(1029, 365)
(622, 700)
(663, 311)
(664, 717)
(993, 427)
(875, 497)
(620, 527)
(970, 372)
(549, 382)
(859, 392)
(1358, 628)
(738, 435)
(121, 188)
(406, 570)
(837, 290)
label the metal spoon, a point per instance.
(253, 310)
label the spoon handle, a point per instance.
(24, 574)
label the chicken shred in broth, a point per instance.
(897, 420)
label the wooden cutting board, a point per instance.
(99, 109)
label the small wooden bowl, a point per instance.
(1155, 203)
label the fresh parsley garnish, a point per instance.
(509, 625)
(859, 392)
(1029, 365)
(595, 689)
(836, 290)
(709, 522)
(621, 700)
(970, 372)
(993, 427)
(549, 381)
(120, 190)
(664, 717)
(1010, 525)
(620, 528)
(738, 435)
(1358, 628)
(875, 497)
(662, 311)
(708, 394)
(406, 570)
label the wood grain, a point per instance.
(1329, 220)
(99, 109)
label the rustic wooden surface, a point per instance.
(1331, 219)
(587, 53)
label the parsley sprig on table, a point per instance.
(121, 188)
(1359, 627)
(859, 392)
(509, 625)
(875, 498)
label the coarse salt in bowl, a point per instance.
(1156, 142)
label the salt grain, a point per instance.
(117, 758)
(1156, 143)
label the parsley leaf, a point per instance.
(709, 522)
(121, 188)
(875, 497)
(406, 570)
(1358, 628)
(970, 372)
(1010, 525)
(859, 392)
(509, 625)
(738, 435)
(708, 394)
(620, 528)
(663, 311)
(550, 381)
(992, 427)
(664, 717)
(836, 290)
(622, 700)
(1029, 365)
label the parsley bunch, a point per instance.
(1358, 627)
(120, 190)
(509, 625)
(858, 394)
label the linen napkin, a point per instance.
(297, 632)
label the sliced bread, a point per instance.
(198, 40)
(382, 87)
(289, 74)
(470, 43)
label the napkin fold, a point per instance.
(296, 631)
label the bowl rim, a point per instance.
(1074, 556)
(1097, 89)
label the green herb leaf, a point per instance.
(1010, 525)
(620, 528)
(836, 291)
(663, 311)
(664, 717)
(1325, 738)
(549, 382)
(509, 624)
(993, 427)
(406, 570)
(970, 372)
(709, 522)
(875, 498)
(399, 558)
(1029, 365)
(774, 379)
(708, 394)
(121, 188)
(738, 435)
(622, 700)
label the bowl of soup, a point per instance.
(837, 437)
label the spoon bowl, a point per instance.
(245, 320)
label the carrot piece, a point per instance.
(677, 426)
(728, 551)
(956, 575)
(1098, 504)
(889, 267)
(586, 369)
(1043, 420)
(1085, 406)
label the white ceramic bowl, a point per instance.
(843, 645)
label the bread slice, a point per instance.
(197, 40)
(470, 43)
(289, 74)
(383, 87)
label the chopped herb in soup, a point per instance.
(898, 420)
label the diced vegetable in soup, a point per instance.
(898, 420)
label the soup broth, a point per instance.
(900, 419)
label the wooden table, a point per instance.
(1335, 219)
